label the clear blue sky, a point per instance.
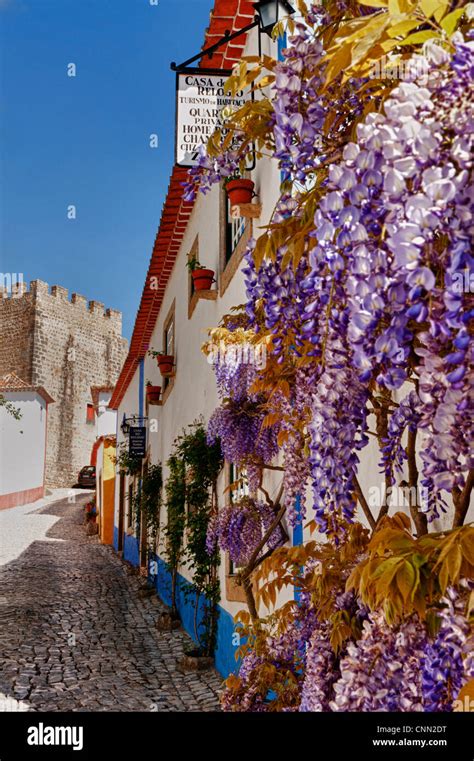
(85, 140)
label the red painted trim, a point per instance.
(226, 14)
(21, 497)
(95, 449)
(45, 445)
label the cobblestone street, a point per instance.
(75, 634)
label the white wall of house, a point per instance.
(22, 443)
(128, 406)
(106, 418)
(98, 476)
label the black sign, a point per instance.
(137, 441)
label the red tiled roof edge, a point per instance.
(12, 384)
(227, 14)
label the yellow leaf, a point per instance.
(397, 30)
(373, 3)
(371, 34)
(259, 252)
(302, 7)
(450, 22)
(406, 580)
(467, 545)
(268, 79)
(419, 37)
(429, 6)
(453, 563)
(338, 62)
(465, 698)
(443, 578)
(436, 8)
(443, 6)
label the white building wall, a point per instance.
(128, 406)
(98, 476)
(22, 443)
(106, 418)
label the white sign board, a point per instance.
(200, 100)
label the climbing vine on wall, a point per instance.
(191, 501)
(175, 490)
(146, 503)
(126, 463)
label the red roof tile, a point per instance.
(11, 383)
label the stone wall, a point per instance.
(17, 318)
(67, 346)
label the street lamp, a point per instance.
(270, 12)
(128, 422)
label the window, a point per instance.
(169, 338)
(234, 236)
(237, 478)
(193, 254)
(235, 228)
(169, 347)
(90, 414)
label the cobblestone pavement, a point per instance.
(75, 635)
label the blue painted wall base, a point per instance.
(227, 639)
(131, 551)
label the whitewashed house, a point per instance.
(22, 441)
(173, 319)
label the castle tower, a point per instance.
(67, 346)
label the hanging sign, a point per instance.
(137, 441)
(200, 99)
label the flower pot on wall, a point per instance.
(202, 279)
(153, 394)
(240, 191)
(165, 364)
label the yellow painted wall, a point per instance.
(108, 493)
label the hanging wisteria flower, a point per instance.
(446, 666)
(240, 527)
(239, 426)
(381, 671)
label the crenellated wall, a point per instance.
(67, 346)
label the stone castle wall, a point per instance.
(67, 347)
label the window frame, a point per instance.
(170, 319)
(229, 263)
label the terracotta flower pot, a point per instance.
(240, 191)
(153, 394)
(202, 279)
(165, 364)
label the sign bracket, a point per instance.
(210, 50)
